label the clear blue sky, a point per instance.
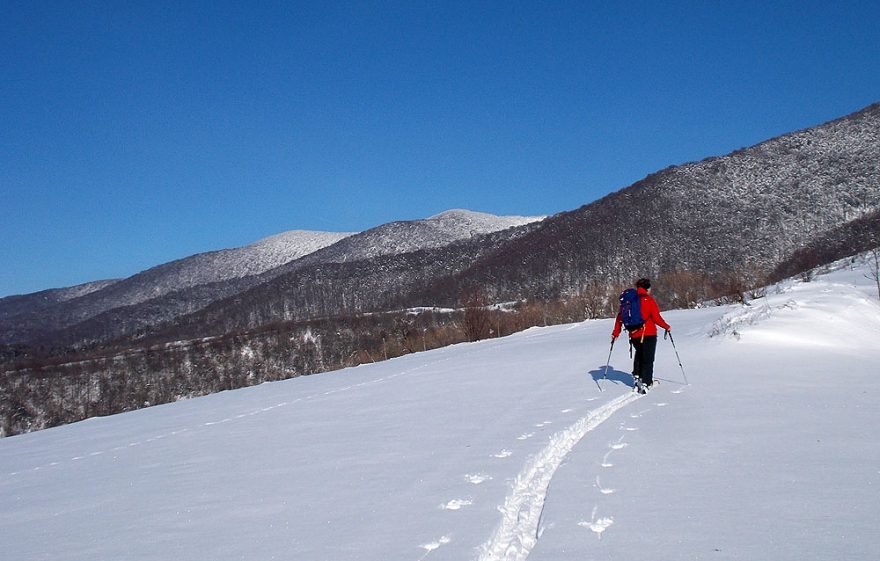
(135, 133)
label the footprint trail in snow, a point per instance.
(517, 533)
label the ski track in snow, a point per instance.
(518, 532)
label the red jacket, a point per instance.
(651, 315)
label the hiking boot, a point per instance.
(638, 386)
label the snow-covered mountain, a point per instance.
(504, 449)
(13, 305)
(398, 238)
(21, 321)
(216, 266)
(469, 223)
(187, 285)
(78, 291)
(260, 256)
(728, 219)
(734, 215)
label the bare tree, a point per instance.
(476, 315)
(874, 268)
(595, 297)
(405, 334)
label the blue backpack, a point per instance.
(631, 310)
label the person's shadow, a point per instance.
(612, 375)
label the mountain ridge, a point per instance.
(741, 214)
(185, 285)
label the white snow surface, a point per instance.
(502, 449)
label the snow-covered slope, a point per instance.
(503, 449)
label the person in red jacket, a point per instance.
(644, 339)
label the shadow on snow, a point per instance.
(612, 375)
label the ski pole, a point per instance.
(607, 363)
(669, 333)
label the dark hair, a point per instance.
(643, 283)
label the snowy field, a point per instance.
(503, 449)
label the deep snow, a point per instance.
(503, 449)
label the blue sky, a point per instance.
(135, 133)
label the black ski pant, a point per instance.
(643, 363)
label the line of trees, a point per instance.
(39, 393)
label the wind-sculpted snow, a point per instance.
(788, 302)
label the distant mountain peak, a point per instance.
(411, 235)
(465, 214)
(457, 213)
(468, 223)
(275, 250)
